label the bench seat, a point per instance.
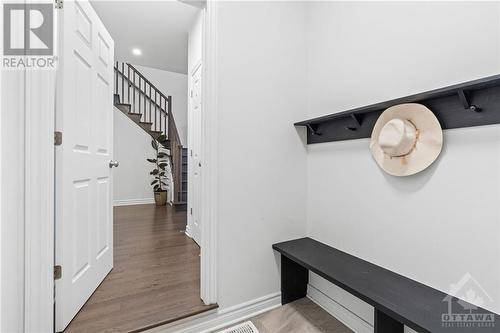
(397, 300)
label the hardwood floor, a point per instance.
(156, 274)
(302, 316)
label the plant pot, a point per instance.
(161, 198)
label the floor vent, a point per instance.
(246, 327)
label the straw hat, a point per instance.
(406, 139)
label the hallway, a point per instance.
(156, 274)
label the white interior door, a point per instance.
(196, 165)
(84, 215)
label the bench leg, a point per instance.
(386, 324)
(294, 279)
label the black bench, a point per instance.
(397, 300)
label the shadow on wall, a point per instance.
(414, 182)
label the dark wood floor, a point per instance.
(156, 274)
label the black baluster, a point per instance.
(128, 83)
(123, 83)
(116, 78)
(133, 90)
(156, 112)
(139, 94)
(170, 121)
(150, 104)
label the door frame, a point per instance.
(209, 154)
(190, 217)
(28, 209)
(34, 223)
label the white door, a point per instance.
(84, 215)
(196, 166)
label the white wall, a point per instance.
(262, 161)
(195, 42)
(132, 146)
(437, 225)
(175, 85)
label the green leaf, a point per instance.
(152, 160)
(154, 181)
(162, 165)
(154, 144)
(161, 155)
(162, 137)
(155, 172)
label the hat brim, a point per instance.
(428, 145)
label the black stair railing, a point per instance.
(144, 98)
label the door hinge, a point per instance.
(57, 138)
(191, 210)
(57, 272)
(58, 4)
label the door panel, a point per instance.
(84, 215)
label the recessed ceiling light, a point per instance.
(136, 51)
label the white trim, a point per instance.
(348, 318)
(223, 317)
(39, 200)
(130, 202)
(209, 156)
(188, 232)
(12, 189)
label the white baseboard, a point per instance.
(348, 318)
(129, 202)
(188, 231)
(223, 317)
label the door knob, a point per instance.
(113, 164)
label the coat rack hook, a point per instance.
(466, 103)
(313, 129)
(357, 123)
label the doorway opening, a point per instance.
(130, 182)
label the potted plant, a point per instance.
(159, 173)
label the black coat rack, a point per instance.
(473, 103)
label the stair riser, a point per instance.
(136, 118)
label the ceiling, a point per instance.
(158, 28)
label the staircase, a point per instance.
(151, 110)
